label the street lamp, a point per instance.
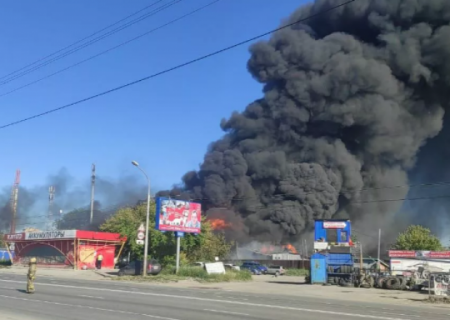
(136, 164)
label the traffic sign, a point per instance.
(141, 228)
(140, 242)
(140, 235)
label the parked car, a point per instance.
(232, 266)
(276, 270)
(250, 267)
(135, 268)
(255, 265)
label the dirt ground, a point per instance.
(284, 285)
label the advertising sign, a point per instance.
(334, 224)
(14, 236)
(419, 254)
(45, 235)
(178, 215)
(421, 268)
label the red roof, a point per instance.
(94, 235)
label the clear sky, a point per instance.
(165, 123)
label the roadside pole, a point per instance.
(178, 235)
(379, 247)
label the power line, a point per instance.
(429, 184)
(117, 207)
(112, 48)
(443, 183)
(114, 31)
(85, 38)
(175, 67)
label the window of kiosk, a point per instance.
(343, 237)
(332, 235)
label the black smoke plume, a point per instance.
(349, 99)
(71, 206)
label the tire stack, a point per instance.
(392, 283)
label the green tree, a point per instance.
(416, 237)
(162, 245)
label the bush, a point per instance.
(296, 272)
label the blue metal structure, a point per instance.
(318, 268)
(332, 240)
(334, 231)
(4, 255)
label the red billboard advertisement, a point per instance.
(178, 216)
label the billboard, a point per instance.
(178, 215)
(402, 266)
(419, 254)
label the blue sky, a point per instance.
(166, 123)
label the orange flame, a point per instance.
(269, 249)
(219, 224)
(291, 248)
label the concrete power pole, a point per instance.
(14, 199)
(92, 193)
(51, 197)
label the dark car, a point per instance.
(135, 268)
(252, 267)
(255, 265)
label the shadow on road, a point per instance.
(22, 291)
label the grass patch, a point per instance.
(191, 273)
(297, 272)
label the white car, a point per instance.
(275, 270)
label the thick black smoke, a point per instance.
(349, 99)
(71, 206)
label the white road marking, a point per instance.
(92, 297)
(227, 312)
(88, 307)
(396, 314)
(365, 316)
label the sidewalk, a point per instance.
(60, 273)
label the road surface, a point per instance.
(57, 299)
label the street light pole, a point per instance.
(147, 219)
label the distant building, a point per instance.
(286, 256)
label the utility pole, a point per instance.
(379, 249)
(92, 193)
(51, 197)
(14, 199)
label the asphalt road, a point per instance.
(114, 300)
